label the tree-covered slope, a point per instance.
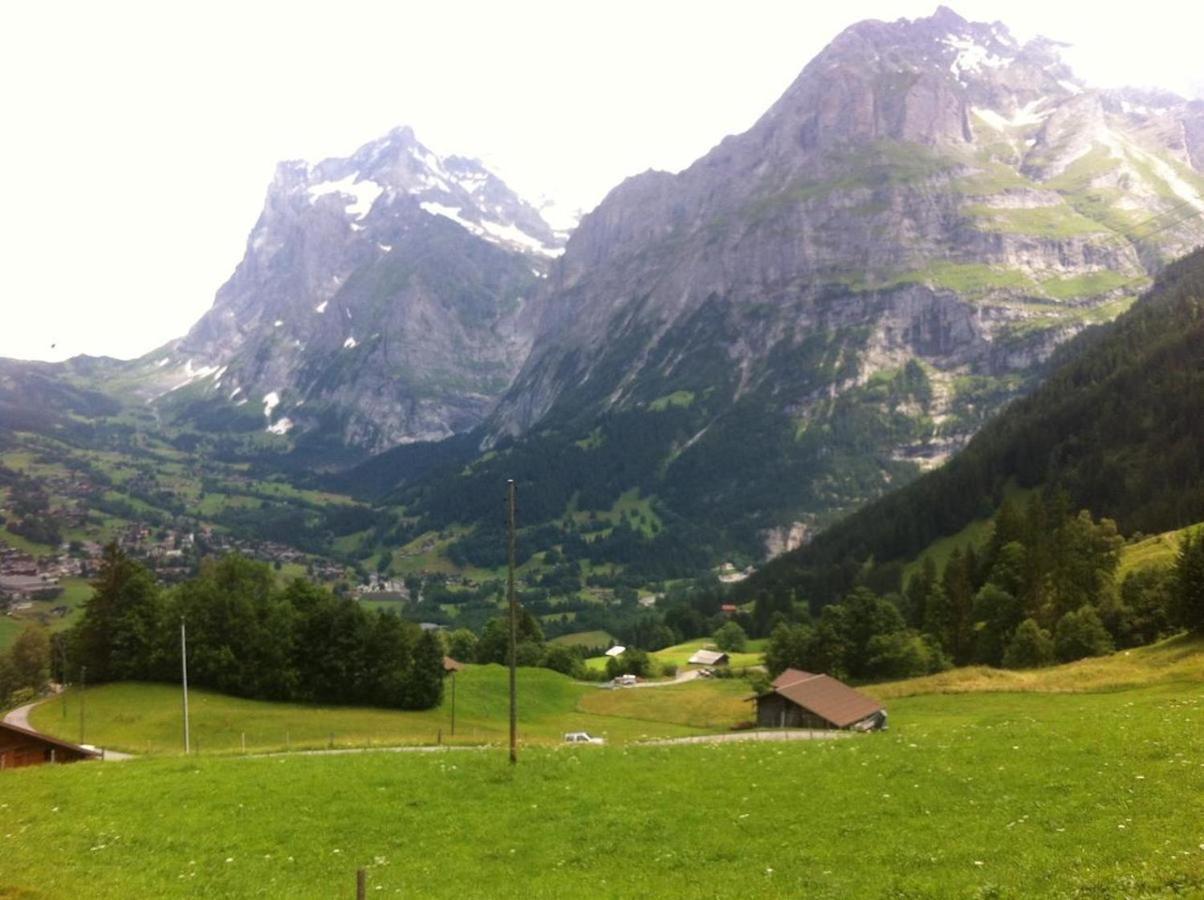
(1118, 426)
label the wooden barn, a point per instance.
(708, 658)
(22, 747)
(800, 699)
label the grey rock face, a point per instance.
(380, 297)
(921, 165)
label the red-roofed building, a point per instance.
(799, 699)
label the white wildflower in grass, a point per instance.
(979, 862)
(229, 859)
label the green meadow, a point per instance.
(970, 795)
(1081, 780)
(147, 718)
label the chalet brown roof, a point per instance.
(790, 676)
(826, 697)
(47, 739)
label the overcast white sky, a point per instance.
(139, 138)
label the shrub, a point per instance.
(1080, 634)
(730, 638)
(1030, 647)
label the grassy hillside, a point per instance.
(147, 718)
(679, 655)
(1159, 550)
(583, 639)
(1177, 661)
(970, 795)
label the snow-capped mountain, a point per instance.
(380, 300)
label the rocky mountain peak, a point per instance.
(929, 196)
(379, 301)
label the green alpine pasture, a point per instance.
(147, 718)
(969, 795)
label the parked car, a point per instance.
(582, 737)
(625, 680)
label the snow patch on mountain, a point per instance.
(510, 235)
(363, 193)
(971, 56)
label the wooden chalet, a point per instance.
(708, 658)
(800, 699)
(22, 747)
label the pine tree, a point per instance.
(1189, 581)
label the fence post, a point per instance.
(244, 742)
(361, 884)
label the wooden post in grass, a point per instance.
(63, 692)
(361, 884)
(184, 674)
(83, 680)
(511, 503)
(453, 728)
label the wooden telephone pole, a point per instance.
(511, 504)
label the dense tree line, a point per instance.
(1117, 426)
(1044, 589)
(249, 637)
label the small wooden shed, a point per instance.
(799, 699)
(22, 747)
(708, 658)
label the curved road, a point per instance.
(20, 718)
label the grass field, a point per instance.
(972, 795)
(679, 654)
(146, 718)
(583, 639)
(1159, 550)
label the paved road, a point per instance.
(20, 718)
(788, 735)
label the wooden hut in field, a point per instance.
(21, 747)
(798, 699)
(708, 658)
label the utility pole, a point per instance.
(63, 686)
(184, 668)
(83, 680)
(511, 503)
(453, 728)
